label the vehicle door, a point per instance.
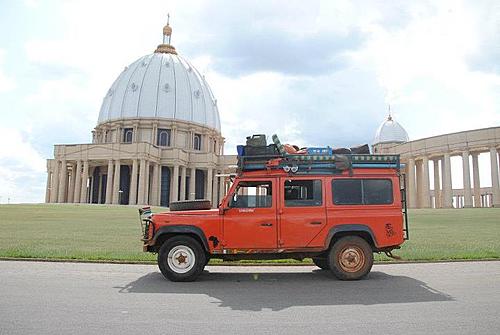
(250, 218)
(302, 213)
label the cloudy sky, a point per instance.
(315, 72)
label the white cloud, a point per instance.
(6, 83)
(21, 169)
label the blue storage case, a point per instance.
(241, 150)
(320, 151)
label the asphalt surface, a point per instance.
(76, 298)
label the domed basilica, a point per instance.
(158, 139)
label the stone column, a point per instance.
(71, 188)
(173, 137)
(48, 186)
(215, 190)
(424, 189)
(146, 184)
(419, 181)
(209, 188)
(54, 188)
(78, 182)
(71, 183)
(154, 134)
(192, 184)
(155, 196)
(92, 181)
(85, 177)
(182, 195)
(466, 175)
(476, 179)
(447, 186)
(437, 184)
(109, 183)
(412, 191)
(116, 183)
(495, 187)
(133, 184)
(222, 188)
(63, 182)
(142, 182)
(174, 190)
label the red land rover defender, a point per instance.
(337, 209)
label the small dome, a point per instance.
(390, 132)
(161, 86)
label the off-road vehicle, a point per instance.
(337, 209)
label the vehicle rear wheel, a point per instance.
(181, 258)
(350, 258)
(321, 263)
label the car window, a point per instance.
(252, 194)
(300, 193)
(377, 191)
(362, 191)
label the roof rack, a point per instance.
(306, 164)
(317, 164)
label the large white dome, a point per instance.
(390, 132)
(161, 86)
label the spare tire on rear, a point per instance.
(190, 204)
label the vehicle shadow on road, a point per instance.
(277, 291)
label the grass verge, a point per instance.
(111, 233)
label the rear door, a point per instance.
(302, 212)
(250, 222)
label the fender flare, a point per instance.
(349, 228)
(182, 229)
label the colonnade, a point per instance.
(72, 182)
(420, 195)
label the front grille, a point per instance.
(147, 223)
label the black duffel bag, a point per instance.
(269, 150)
(341, 151)
(361, 150)
(258, 140)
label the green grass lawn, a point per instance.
(97, 232)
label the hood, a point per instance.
(203, 212)
(197, 217)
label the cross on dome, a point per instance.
(166, 47)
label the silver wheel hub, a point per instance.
(181, 259)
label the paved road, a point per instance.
(71, 298)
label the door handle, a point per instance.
(266, 224)
(316, 222)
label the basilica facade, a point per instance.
(158, 139)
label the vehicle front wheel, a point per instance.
(181, 258)
(321, 263)
(350, 258)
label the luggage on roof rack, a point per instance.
(274, 156)
(258, 140)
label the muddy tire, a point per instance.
(350, 258)
(321, 263)
(190, 205)
(181, 258)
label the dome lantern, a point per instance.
(166, 47)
